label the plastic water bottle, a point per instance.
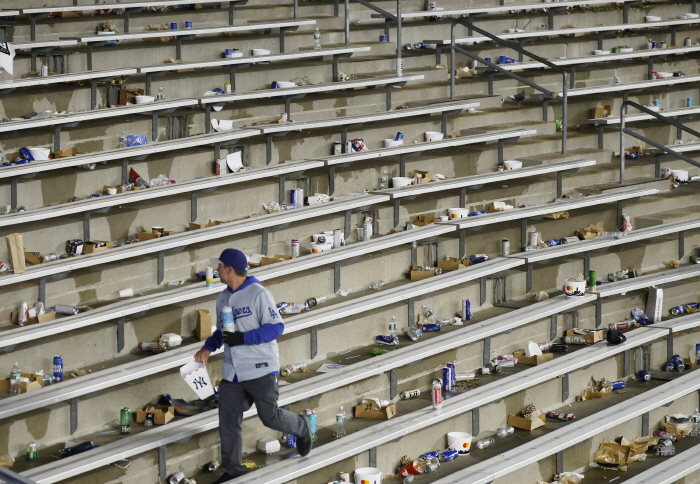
(2, 155)
(430, 315)
(505, 431)
(340, 421)
(383, 180)
(15, 374)
(695, 421)
(392, 326)
(161, 95)
(317, 39)
(483, 443)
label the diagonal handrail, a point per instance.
(665, 119)
(454, 48)
(9, 477)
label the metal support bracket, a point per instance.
(127, 14)
(265, 236)
(565, 387)
(149, 76)
(528, 276)
(73, 415)
(669, 346)
(487, 351)
(120, 334)
(314, 341)
(645, 424)
(553, 327)
(162, 461)
(462, 247)
(282, 31)
(482, 284)
(268, 145)
(523, 232)
(42, 285)
(560, 462)
(33, 18)
(331, 179)
(500, 152)
(161, 267)
(178, 44)
(598, 311)
(335, 64)
(348, 222)
(601, 131)
(475, 421)
(411, 311)
(57, 134)
(373, 457)
(336, 276)
(619, 214)
(627, 355)
(587, 262)
(681, 244)
(393, 383)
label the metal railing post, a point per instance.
(623, 111)
(399, 61)
(564, 113)
(453, 70)
(347, 22)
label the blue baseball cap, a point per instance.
(232, 258)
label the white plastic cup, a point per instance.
(433, 136)
(128, 292)
(368, 475)
(459, 441)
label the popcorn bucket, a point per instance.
(197, 377)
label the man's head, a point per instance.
(232, 267)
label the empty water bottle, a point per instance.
(317, 39)
(340, 421)
(161, 95)
(15, 375)
(483, 443)
(392, 326)
(505, 431)
(430, 315)
(695, 422)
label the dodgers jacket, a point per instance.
(256, 316)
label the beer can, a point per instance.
(188, 24)
(296, 198)
(485, 370)
(173, 25)
(429, 455)
(644, 375)
(446, 379)
(669, 366)
(465, 377)
(505, 247)
(653, 44)
(534, 237)
(552, 243)
(44, 71)
(681, 309)
(6, 209)
(678, 363)
(592, 279)
(508, 363)
(22, 313)
(366, 230)
(315, 301)
(448, 455)
(506, 357)
(558, 348)
(295, 248)
(407, 395)
(431, 328)
(616, 385)
(574, 340)
(437, 394)
(337, 148)
(32, 453)
(544, 346)
(689, 102)
(313, 422)
(209, 276)
(621, 326)
(399, 136)
(58, 368)
(387, 340)
(419, 178)
(337, 238)
(63, 309)
(413, 333)
(125, 420)
(213, 466)
(453, 368)
(291, 441)
(383, 38)
(466, 310)
(227, 88)
(697, 350)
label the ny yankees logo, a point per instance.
(199, 383)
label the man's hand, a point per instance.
(202, 356)
(233, 338)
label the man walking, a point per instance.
(251, 363)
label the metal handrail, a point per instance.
(9, 477)
(624, 131)
(454, 48)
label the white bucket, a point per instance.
(433, 136)
(459, 441)
(679, 175)
(368, 475)
(513, 165)
(144, 99)
(401, 181)
(318, 248)
(40, 153)
(457, 212)
(574, 289)
(197, 377)
(392, 143)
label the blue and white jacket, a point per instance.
(256, 316)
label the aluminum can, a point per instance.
(621, 326)
(544, 346)
(63, 309)
(697, 350)
(188, 25)
(534, 237)
(227, 323)
(558, 348)
(413, 333)
(6, 209)
(681, 309)
(430, 328)
(432, 5)
(48, 379)
(173, 25)
(337, 148)
(383, 38)
(337, 238)
(407, 395)
(367, 230)
(22, 313)
(296, 199)
(662, 434)
(574, 340)
(313, 423)
(399, 136)
(227, 88)
(689, 102)
(291, 441)
(419, 178)
(429, 455)
(51, 257)
(505, 247)
(289, 369)
(678, 363)
(295, 248)
(485, 370)
(669, 366)
(644, 375)
(551, 243)
(616, 385)
(431, 466)
(213, 466)
(44, 71)
(446, 379)
(448, 455)
(315, 301)
(21, 209)
(506, 357)
(508, 363)
(592, 278)
(560, 416)
(437, 394)
(544, 26)
(466, 310)
(228, 53)
(209, 276)
(32, 453)
(58, 368)
(387, 340)
(465, 377)
(453, 368)
(653, 44)
(125, 420)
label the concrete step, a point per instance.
(676, 215)
(660, 184)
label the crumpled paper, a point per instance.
(566, 478)
(531, 412)
(602, 385)
(557, 215)
(672, 264)
(540, 296)
(590, 232)
(578, 278)
(271, 207)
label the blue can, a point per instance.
(488, 59)
(228, 53)
(478, 212)
(446, 379)
(58, 368)
(689, 102)
(657, 103)
(551, 243)
(188, 25)
(387, 340)
(502, 60)
(678, 363)
(383, 38)
(313, 424)
(431, 328)
(644, 375)
(21, 209)
(616, 385)
(24, 153)
(173, 25)
(399, 136)
(453, 369)
(697, 350)
(429, 455)
(448, 455)
(669, 366)
(291, 441)
(478, 258)
(653, 44)
(466, 310)
(681, 309)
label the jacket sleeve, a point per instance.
(271, 325)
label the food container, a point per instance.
(40, 153)
(401, 181)
(574, 289)
(512, 165)
(433, 136)
(454, 213)
(259, 52)
(142, 99)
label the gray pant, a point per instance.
(236, 398)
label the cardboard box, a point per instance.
(453, 264)
(417, 275)
(423, 221)
(425, 174)
(367, 411)
(672, 429)
(162, 414)
(526, 423)
(590, 338)
(67, 153)
(601, 394)
(184, 69)
(15, 249)
(195, 226)
(602, 111)
(146, 236)
(203, 329)
(89, 248)
(614, 449)
(275, 258)
(127, 96)
(35, 382)
(33, 257)
(119, 189)
(691, 362)
(534, 360)
(70, 14)
(42, 318)
(655, 301)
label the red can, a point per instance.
(621, 326)
(419, 178)
(409, 469)
(437, 394)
